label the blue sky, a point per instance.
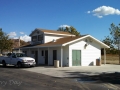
(20, 17)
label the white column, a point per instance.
(48, 56)
(38, 55)
(19, 44)
(104, 56)
(61, 56)
(29, 52)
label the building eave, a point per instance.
(58, 34)
(101, 43)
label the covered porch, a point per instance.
(46, 55)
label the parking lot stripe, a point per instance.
(85, 86)
(82, 86)
(109, 85)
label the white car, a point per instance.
(17, 59)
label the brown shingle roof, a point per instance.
(54, 31)
(61, 41)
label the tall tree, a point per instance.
(70, 29)
(5, 42)
(109, 42)
(115, 33)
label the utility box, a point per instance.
(98, 62)
(56, 63)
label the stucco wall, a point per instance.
(66, 55)
(50, 37)
(88, 54)
(41, 59)
(51, 55)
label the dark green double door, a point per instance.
(76, 57)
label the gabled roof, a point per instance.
(54, 31)
(61, 41)
(68, 40)
(51, 32)
(103, 45)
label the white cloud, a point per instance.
(25, 38)
(98, 16)
(64, 26)
(88, 11)
(15, 37)
(12, 34)
(21, 32)
(105, 10)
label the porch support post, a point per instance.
(28, 52)
(38, 56)
(104, 56)
(48, 56)
(61, 56)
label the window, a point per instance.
(34, 38)
(9, 54)
(40, 37)
(13, 55)
(37, 32)
(21, 55)
(42, 53)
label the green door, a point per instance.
(73, 58)
(76, 57)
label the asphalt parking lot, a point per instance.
(67, 78)
(78, 71)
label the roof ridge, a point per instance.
(53, 31)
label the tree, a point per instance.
(5, 42)
(16, 43)
(22, 43)
(109, 42)
(115, 34)
(70, 29)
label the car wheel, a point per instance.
(19, 65)
(3, 64)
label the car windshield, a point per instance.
(21, 55)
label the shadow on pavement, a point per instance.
(113, 78)
(105, 77)
(45, 66)
(13, 67)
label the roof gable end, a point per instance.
(45, 31)
(101, 43)
(35, 31)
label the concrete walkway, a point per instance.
(77, 71)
